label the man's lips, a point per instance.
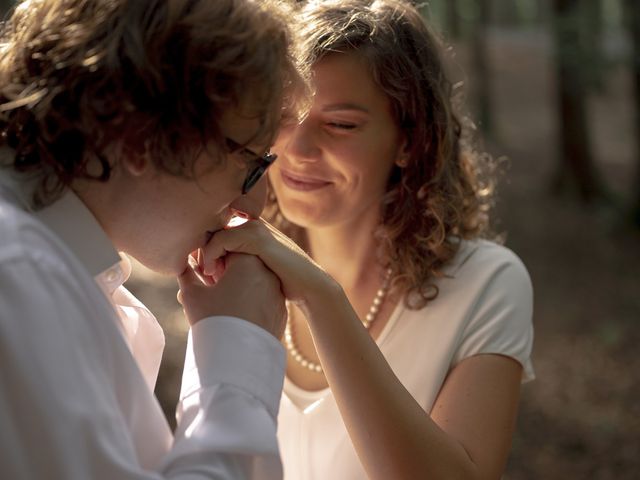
(235, 220)
(302, 183)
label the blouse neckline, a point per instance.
(311, 397)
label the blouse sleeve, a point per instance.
(501, 318)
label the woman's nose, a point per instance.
(299, 143)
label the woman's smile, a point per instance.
(302, 182)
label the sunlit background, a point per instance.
(554, 88)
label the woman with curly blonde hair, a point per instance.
(409, 366)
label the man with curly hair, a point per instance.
(137, 127)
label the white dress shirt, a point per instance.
(79, 356)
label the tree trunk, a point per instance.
(5, 6)
(545, 14)
(481, 65)
(633, 21)
(452, 19)
(507, 13)
(576, 170)
(592, 42)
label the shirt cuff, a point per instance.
(229, 350)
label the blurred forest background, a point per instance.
(554, 89)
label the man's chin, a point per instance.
(164, 269)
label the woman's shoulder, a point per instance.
(482, 255)
(487, 295)
(481, 266)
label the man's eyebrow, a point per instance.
(345, 106)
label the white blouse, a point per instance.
(484, 305)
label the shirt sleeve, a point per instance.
(62, 390)
(230, 397)
(501, 320)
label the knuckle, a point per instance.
(250, 261)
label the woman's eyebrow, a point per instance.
(345, 106)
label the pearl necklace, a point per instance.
(371, 315)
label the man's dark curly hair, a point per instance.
(80, 78)
(444, 193)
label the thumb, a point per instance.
(186, 280)
(240, 239)
(191, 278)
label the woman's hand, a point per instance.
(247, 290)
(299, 275)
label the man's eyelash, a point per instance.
(248, 153)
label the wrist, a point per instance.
(326, 293)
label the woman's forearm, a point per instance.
(393, 436)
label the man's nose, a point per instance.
(252, 203)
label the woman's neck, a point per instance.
(348, 252)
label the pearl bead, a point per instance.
(378, 299)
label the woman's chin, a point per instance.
(311, 222)
(304, 216)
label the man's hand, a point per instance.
(246, 289)
(300, 277)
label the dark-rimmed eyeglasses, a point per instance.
(261, 163)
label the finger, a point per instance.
(186, 280)
(189, 278)
(215, 269)
(233, 258)
(250, 236)
(194, 275)
(179, 297)
(238, 240)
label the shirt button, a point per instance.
(111, 276)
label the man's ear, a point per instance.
(402, 159)
(136, 161)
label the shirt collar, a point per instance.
(68, 217)
(72, 221)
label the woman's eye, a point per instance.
(341, 125)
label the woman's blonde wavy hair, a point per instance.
(81, 77)
(444, 194)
